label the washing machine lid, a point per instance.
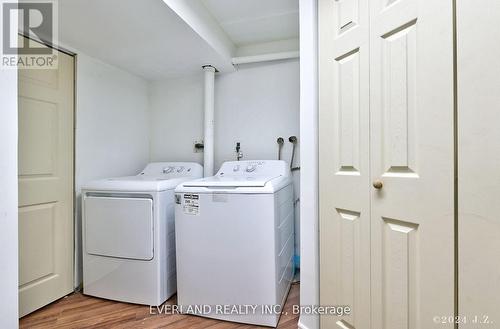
(231, 181)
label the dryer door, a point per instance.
(119, 227)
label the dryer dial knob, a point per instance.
(168, 170)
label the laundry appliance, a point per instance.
(128, 234)
(235, 242)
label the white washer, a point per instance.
(128, 234)
(235, 241)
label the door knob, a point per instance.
(378, 184)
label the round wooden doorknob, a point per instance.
(378, 184)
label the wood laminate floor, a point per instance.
(80, 311)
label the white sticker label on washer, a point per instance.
(191, 204)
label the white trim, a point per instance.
(309, 266)
(8, 194)
(266, 57)
(276, 46)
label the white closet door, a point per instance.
(45, 183)
(344, 161)
(479, 162)
(412, 219)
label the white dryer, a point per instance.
(128, 234)
(235, 242)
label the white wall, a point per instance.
(478, 160)
(254, 106)
(309, 266)
(112, 127)
(8, 199)
(176, 118)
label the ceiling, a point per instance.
(144, 37)
(256, 21)
(159, 39)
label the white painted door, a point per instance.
(396, 229)
(344, 161)
(45, 184)
(411, 135)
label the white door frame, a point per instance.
(309, 244)
(9, 196)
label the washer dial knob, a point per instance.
(251, 168)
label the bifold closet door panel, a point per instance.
(478, 67)
(46, 153)
(344, 155)
(411, 142)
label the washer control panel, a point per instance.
(253, 168)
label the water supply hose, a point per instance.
(293, 140)
(280, 142)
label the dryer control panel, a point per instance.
(173, 169)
